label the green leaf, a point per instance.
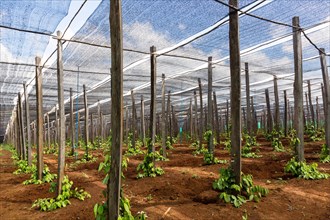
(100, 210)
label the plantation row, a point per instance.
(229, 191)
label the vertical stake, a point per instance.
(235, 92)
(298, 88)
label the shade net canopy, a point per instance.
(185, 33)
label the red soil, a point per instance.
(183, 192)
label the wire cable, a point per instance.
(298, 28)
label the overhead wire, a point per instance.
(91, 44)
(298, 28)
(98, 45)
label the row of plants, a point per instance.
(47, 204)
(237, 194)
(101, 210)
(62, 200)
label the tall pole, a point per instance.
(310, 102)
(307, 107)
(235, 92)
(248, 107)
(277, 105)
(39, 128)
(317, 113)
(285, 115)
(169, 118)
(28, 128)
(114, 184)
(61, 135)
(163, 117)
(77, 110)
(133, 119)
(191, 124)
(143, 127)
(86, 120)
(209, 106)
(216, 115)
(196, 115)
(48, 130)
(18, 132)
(227, 116)
(298, 88)
(71, 122)
(201, 126)
(326, 104)
(269, 113)
(21, 119)
(152, 127)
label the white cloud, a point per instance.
(320, 36)
(182, 27)
(141, 36)
(6, 55)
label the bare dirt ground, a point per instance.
(183, 192)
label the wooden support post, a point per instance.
(205, 118)
(310, 102)
(19, 130)
(248, 108)
(28, 128)
(157, 124)
(298, 88)
(221, 116)
(61, 134)
(71, 122)
(292, 116)
(308, 117)
(18, 134)
(196, 116)
(254, 121)
(92, 129)
(210, 106)
(235, 92)
(163, 117)
(126, 123)
(35, 133)
(191, 122)
(39, 127)
(244, 119)
(227, 116)
(22, 132)
(133, 119)
(102, 126)
(269, 113)
(152, 127)
(168, 118)
(216, 115)
(56, 127)
(143, 127)
(99, 121)
(86, 121)
(45, 132)
(277, 106)
(326, 104)
(48, 131)
(174, 122)
(289, 114)
(317, 113)
(201, 122)
(114, 184)
(264, 119)
(285, 115)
